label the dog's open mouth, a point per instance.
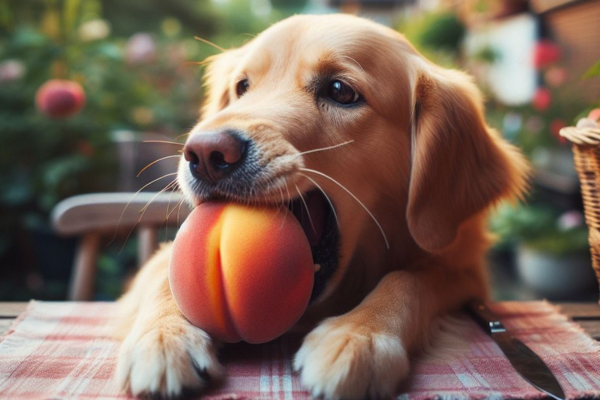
(319, 223)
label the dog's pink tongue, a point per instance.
(313, 225)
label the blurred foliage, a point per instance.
(593, 71)
(442, 31)
(438, 35)
(487, 54)
(535, 129)
(133, 16)
(112, 276)
(238, 21)
(541, 228)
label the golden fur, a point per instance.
(422, 160)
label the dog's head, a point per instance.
(342, 119)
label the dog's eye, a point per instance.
(242, 87)
(342, 93)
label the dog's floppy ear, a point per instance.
(217, 80)
(459, 165)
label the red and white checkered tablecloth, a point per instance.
(64, 351)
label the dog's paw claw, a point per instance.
(167, 363)
(341, 360)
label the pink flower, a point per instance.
(541, 99)
(11, 70)
(594, 114)
(569, 220)
(140, 49)
(545, 53)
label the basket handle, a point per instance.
(587, 132)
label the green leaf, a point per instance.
(71, 9)
(594, 71)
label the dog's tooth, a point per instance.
(317, 267)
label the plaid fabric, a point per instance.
(64, 351)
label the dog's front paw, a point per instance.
(168, 359)
(343, 360)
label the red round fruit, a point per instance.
(60, 98)
(541, 99)
(545, 53)
(241, 273)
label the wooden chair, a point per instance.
(93, 216)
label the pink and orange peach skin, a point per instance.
(241, 273)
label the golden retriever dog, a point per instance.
(398, 169)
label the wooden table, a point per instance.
(8, 313)
(587, 315)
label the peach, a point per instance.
(60, 98)
(241, 273)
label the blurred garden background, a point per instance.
(133, 69)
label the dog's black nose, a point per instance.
(214, 155)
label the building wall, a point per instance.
(576, 28)
(512, 78)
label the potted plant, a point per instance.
(552, 250)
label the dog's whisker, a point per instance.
(154, 162)
(387, 244)
(179, 211)
(283, 219)
(283, 201)
(169, 186)
(267, 187)
(307, 210)
(290, 202)
(337, 221)
(143, 211)
(182, 135)
(335, 146)
(177, 207)
(130, 200)
(163, 141)
(174, 208)
(208, 42)
(204, 61)
(175, 188)
(287, 189)
(282, 195)
(200, 63)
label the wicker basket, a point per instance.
(586, 149)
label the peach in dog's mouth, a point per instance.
(319, 222)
